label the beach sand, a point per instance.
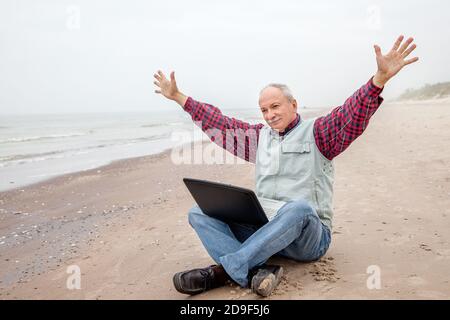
(125, 225)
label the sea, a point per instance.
(36, 147)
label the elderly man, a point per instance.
(294, 164)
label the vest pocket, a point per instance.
(295, 160)
(296, 148)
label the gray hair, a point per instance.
(284, 89)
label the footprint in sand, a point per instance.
(415, 280)
(425, 247)
(443, 254)
(324, 270)
(288, 286)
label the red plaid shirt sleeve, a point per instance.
(337, 130)
(236, 136)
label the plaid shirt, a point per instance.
(333, 133)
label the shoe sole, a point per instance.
(268, 284)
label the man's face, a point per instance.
(277, 110)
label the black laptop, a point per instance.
(226, 202)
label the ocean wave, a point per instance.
(18, 159)
(139, 139)
(151, 138)
(40, 138)
(153, 125)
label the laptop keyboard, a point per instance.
(270, 206)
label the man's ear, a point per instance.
(294, 104)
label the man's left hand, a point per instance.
(392, 62)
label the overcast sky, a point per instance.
(100, 55)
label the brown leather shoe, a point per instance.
(265, 279)
(200, 280)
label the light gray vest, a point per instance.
(292, 167)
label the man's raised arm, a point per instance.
(236, 136)
(337, 130)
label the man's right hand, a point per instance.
(168, 88)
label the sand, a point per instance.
(125, 225)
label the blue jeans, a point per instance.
(296, 232)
